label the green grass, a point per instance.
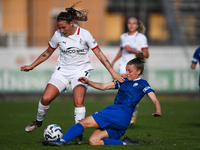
(178, 128)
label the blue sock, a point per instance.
(112, 142)
(73, 132)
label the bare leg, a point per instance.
(78, 95)
(97, 136)
(50, 93)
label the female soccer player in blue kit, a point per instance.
(132, 42)
(112, 121)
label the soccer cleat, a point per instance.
(32, 126)
(53, 143)
(79, 139)
(128, 141)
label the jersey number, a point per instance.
(86, 73)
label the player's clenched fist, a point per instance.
(83, 80)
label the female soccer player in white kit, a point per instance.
(132, 42)
(74, 62)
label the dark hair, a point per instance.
(72, 14)
(138, 62)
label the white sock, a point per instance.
(42, 110)
(79, 113)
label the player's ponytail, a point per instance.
(141, 27)
(79, 15)
(140, 57)
(138, 62)
(72, 14)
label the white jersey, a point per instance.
(136, 41)
(74, 50)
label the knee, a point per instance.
(93, 141)
(79, 102)
(46, 100)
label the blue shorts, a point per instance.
(114, 119)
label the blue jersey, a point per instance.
(118, 116)
(196, 57)
(130, 92)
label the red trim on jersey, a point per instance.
(51, 46)
(94, 47)
(137, 33)
(78, 31)
(144, 47)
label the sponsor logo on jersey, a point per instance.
(64, 42)
(72, 50)
(81, 41)
(135, 84)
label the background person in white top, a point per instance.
(74, 62)
(132, 42)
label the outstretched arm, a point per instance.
(156, 102)
(119, 54)
(44, 56)
(106, 63)
(100, 86)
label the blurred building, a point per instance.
(168, 22)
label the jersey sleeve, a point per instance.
(143, 42)
(196, 56)
(147, 88)
(91, 42)
(53, 43)
(117, 85)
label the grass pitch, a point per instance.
(178, 128)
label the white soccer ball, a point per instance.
(52, 132)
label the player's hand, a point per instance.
(117, 76)
(26, 68)
(127, 48)
(124, 75)
(84, 80)
(156, 114)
